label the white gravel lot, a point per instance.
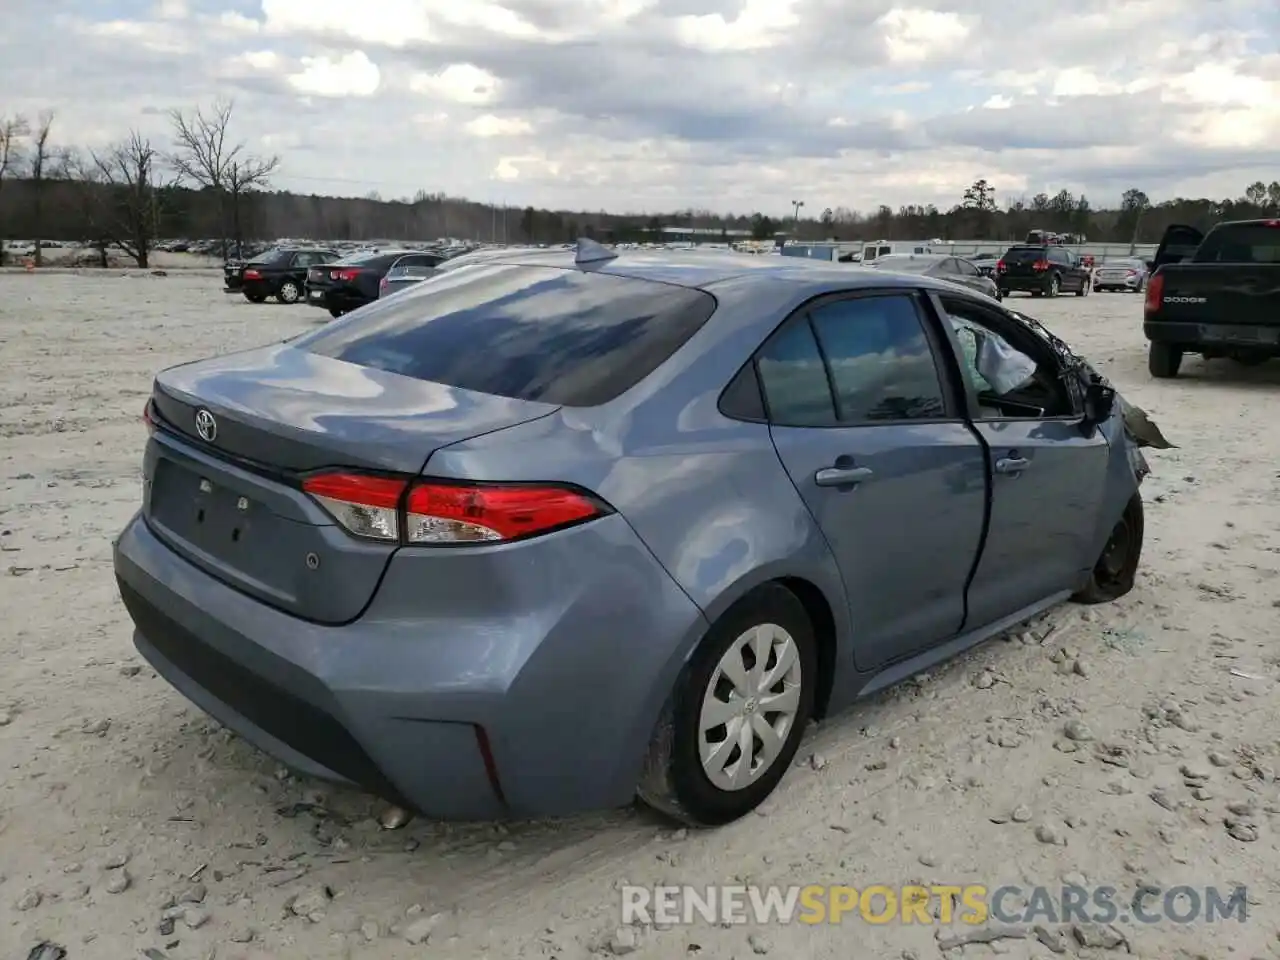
(103, 761)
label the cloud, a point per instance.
(667, 104)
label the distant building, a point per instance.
(698, 234)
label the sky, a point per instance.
(643, 106)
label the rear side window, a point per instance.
(794, 378)
(882, 364)
(532, 333)
(1240, 243)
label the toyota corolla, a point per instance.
(557, 529)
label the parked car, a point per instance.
(1042, 270)
(557, 529)
(350, 282)
(955, 269)
(280, 272)
(985, 262)
(402, 276)
(1126, 274)
(1221, 301)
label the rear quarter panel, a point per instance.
(707, 495)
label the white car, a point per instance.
(1127, 274)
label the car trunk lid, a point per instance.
(235, 437)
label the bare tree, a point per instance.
(13, 130)
(121, 198)
(43, 163)
(203, 155)
(244, 175)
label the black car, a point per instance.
(347, 284)
(956, 269)
(280, 272)
(1043, 270)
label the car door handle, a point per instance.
(842, 476)
(1012, 464)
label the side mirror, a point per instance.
(1099, 401)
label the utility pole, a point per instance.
(797, 204)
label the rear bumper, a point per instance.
(335, 300)
(1213, 336)
(1022, 284)
(500, 714)
(1125, 283)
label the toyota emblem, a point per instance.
(206, 426)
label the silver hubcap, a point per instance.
(749, 707)
(289, 291)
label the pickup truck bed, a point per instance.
(1224, 301)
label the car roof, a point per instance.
(692, 268)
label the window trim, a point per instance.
(957, 359)
(941, 348)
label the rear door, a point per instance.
(1179, 242)
(863, 421)
(1047, 477)
(970, 275)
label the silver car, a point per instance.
(549, 531)
(942, 267)
(1126, 274)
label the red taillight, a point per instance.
(1001, 267)
(1155, 293)
(147, 419)
(1040, 265)
(1271, 223)
(366, 506)
(442, 513)
(344, 275)
(252, 274)
(453, 513)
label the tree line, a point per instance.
(204, 183)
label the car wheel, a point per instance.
(1084, 288)
(1054, 285)
(289, 292)
(255, 297)
(1163, 360)
(1113, 575)
(731, 728)
(335, 312)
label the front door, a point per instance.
(889, 470)
(1047, 476)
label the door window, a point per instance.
(794, 378)
(966, 268)
(881, 362)
(948, 266)
(1012, 375)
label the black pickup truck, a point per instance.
(1215, 294)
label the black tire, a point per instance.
(1114, 573)
(255, 297)
(1084, 288)
(1163, 360)
(289, 292)
(1053, 287)
(335, 312)
(1003, 292)
(674, 782)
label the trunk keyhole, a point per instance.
(200, 516)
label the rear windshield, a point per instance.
(532, 333)
(366, 258)
(906, 264)
(1024, 254)
(1241, 243)
(274, 255)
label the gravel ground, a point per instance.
(1122, 745)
